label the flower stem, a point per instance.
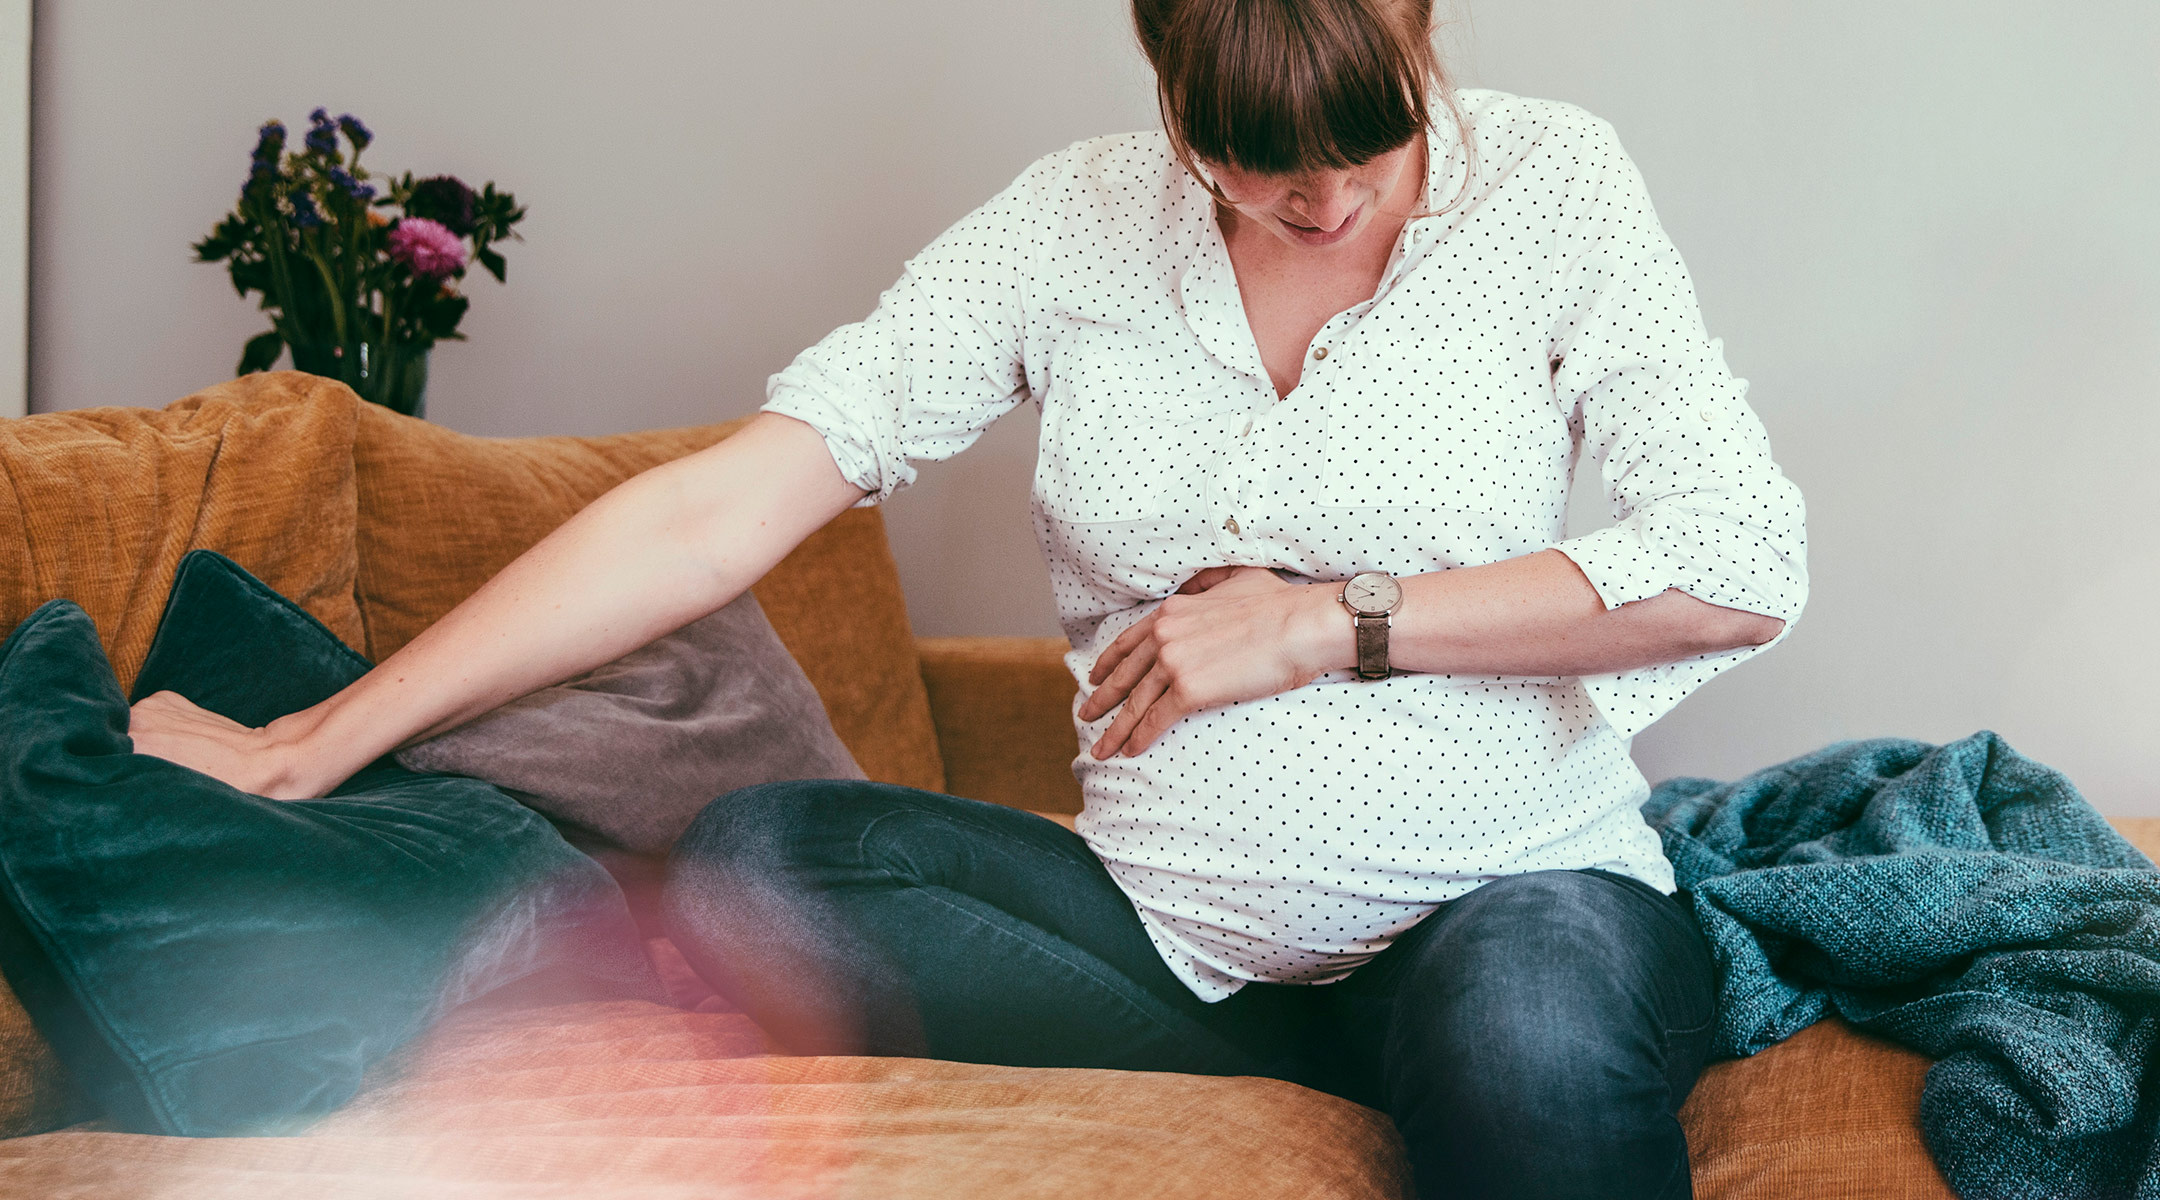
(387, 304)
(280, 267)
(337, 305)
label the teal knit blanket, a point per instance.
(1962, 900)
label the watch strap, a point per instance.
(1372, 647)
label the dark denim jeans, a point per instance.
(1532, 1038)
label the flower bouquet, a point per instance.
(360, 283)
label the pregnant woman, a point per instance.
(1314, 366)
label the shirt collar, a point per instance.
(1206, 288)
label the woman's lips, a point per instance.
(1314, 236)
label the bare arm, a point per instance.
(1537, 615)
(1241, 633)
(659, 551)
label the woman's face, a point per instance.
(1320, 209)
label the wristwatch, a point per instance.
(1371, 596)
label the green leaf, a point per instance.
(493, 262)
(260, 351)
(439, 315)
(251, 275)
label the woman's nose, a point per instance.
(1325, 203)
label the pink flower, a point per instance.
(431, 250)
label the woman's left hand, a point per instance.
(1228, 634)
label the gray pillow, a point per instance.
(633, 750)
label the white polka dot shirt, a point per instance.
(1543, 320)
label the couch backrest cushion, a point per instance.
(440, 512)
(98, 505)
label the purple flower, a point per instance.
(304, 213)
(322, 132)
(360, 134)
(269, 144)
(263, 163)
(446, 200)
(262, 175)
(352, 187)
(432, 251)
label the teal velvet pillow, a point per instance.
(209, 962)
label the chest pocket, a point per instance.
(1118, 444)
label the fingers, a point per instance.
(1120, 682)
(1203, 633)
(1144, 698)
(1208, 578)
(1109, 659)
(1215, 577)
(1158, 717)
(173, 713)
(160, 702)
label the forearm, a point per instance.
(659, 551)
(1533, 615)
(1241, 633)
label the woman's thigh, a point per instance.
(852, 918)
(1536, 1037)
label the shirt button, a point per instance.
(1232, 526)
(1706, 413)
(1319, 352)
(1247, 431)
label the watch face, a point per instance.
(1372, 593)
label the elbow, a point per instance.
(1723, 629)
(1697, 626)
(1758, 630)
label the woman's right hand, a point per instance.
(168, 725)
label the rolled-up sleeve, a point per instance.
(935, 363)
(1701, 506)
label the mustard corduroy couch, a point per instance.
(377, 524)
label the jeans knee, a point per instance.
(749, 849)
(1548, 951)
(1572, 1066)
(1541, 1096)
(747, 826)
(1529, 1050)
(1568, 917)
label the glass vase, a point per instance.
(393, 375)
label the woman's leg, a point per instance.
(864, 918)
(1537, 1037)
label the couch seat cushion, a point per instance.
(1827, 1114)
(629, 1099)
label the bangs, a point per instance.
(1287, 86)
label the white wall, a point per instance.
(1929, 233)
(14, 207)
(1925, 230)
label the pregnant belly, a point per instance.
(1391, 785)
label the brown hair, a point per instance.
(1283, 86)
